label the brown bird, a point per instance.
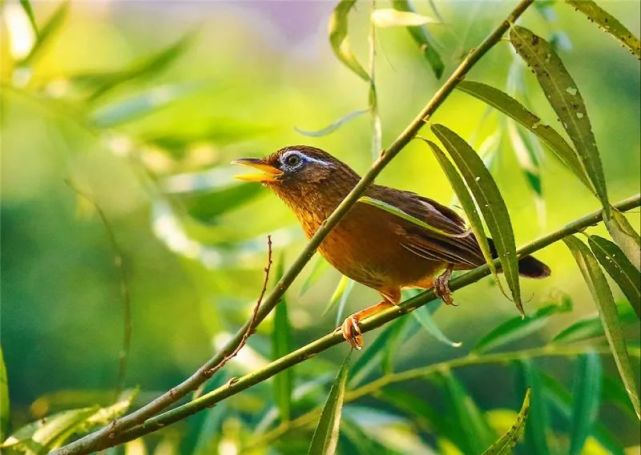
(370, 245)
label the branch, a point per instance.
(106, 436)
(334, 338)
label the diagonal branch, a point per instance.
(107, 435)
(334, 338)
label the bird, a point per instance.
(370, 245)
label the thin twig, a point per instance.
(334, 338)
(105, 437)
(124, 286)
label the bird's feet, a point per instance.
(352, 332)
(442, 287)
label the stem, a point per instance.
(334, 338)
(111, 434)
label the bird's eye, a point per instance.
(293, 160)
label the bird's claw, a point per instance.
(352, 333)
(442, 287)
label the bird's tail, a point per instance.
(529, 266)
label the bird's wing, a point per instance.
(454, 244)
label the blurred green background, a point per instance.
(142, 105)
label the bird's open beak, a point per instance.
(268, 173)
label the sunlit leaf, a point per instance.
(591, 326)
(478, 434)
(602, 296)
(527, 157)
(619, 268)
(506, 442)
(389, 17)
(490, 203)
(332, 126)
(326, 434)
(586, 394)
(407, 217)
(424, 317)
(466, 201)
(608, 23)
(26, 6)
(341, 293)
(141, 105)
(625, 236)
(538, 422)
(517, 328)
(422, 38)
(47, 31)
(548, 135)
(566, 100)
(338, 30)
(4, 398)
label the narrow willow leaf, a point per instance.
(26, 6)
(565, 98)
(318, 270)
(424, 317)
(625, 236)
(548, 135)
(326, 434)
(281, 345)
(338, 29)
(506, 443)
(422, 38)
(389, 17)
(517, 328)
(490, 202)
(591, 326)
(407, 217)
(140, 105)
(477, 432)
(332, 126)
(4, 399)
(608, 23)
(527, 158)
(342, 291)
(561, 400)
(614, 392)
(608, 312)
(619, 268)
(48, 30)
(465, 199)
(538, 421)
(403, 332)
(586, 394)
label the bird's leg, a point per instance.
(350, 328)
(442, 287)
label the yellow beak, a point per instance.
(268, 172)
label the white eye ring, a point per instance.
(292, 159)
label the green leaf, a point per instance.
(466, 201)
(140, 105)
(591, 326)
(319, 268)
(422, 38)
(565, 98)
(338, 26)
(26, 6)
(424, 317)
(389, 17)
(326, 434)
(619, 268)
(609, 24)
(477, 432)
(340, 295)
(407, 217)
(538, 422)
(625, 236)
(47, 32)
(506, 443)
(548, 135)
(527, 157)
(4, 399)
(608, 312)
(490, 202)
(281, 345)
(586, 394)
(332, 126)
(517, 328)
